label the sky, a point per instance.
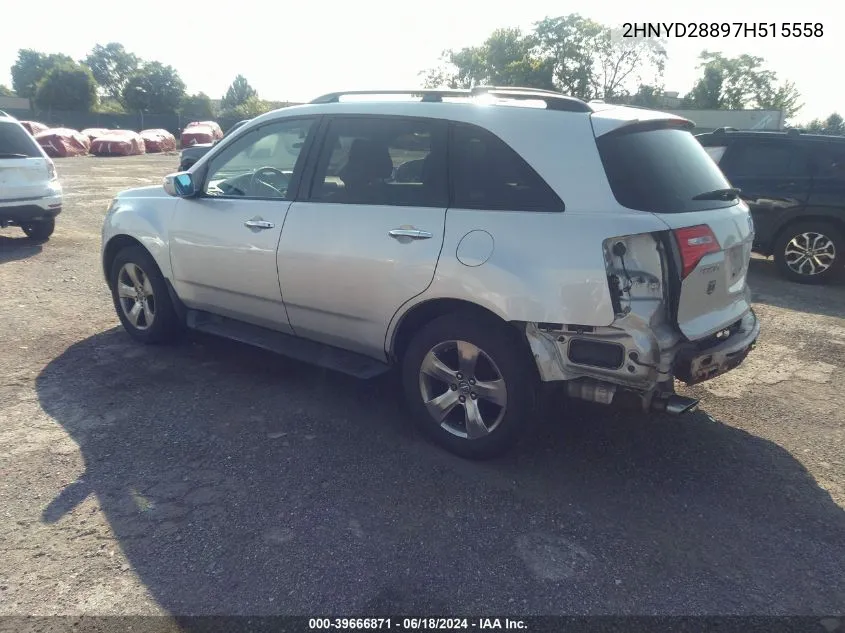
(296, 51)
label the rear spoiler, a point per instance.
(625, 120)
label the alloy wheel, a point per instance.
(137, 299)
(810, 253)
(463, 389)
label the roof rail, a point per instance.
(722, 130)
(553, 100)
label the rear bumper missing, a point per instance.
(648, 360)
(696, 363)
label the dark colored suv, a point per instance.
(794, 185)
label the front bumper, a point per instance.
(696, 362)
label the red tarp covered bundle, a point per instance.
(34, 127)
(158, 141)
(119, 143)
(201, 132)
(95, 132)
(60, 142)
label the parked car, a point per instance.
(794, 185)
(30, 193)
(192, 153)
(591, 246)
(119, 143)
(200, 132)
(62, 142)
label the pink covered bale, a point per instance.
(201, 132)
(119, 143)
(95, 132)
(34, 127)
(158, 140)
(62, 142)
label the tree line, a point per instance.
(112, 79)
(570, 53)
(588, 60)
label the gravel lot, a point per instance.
(210, 477)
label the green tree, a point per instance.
(620, 61)
(5, 91)
(832, 126)
(250, 108)
(154, 88)
(30, 67)
(570, 53)
(197, 106)
(741, 82)
(569, 43)
(647, 96)
(506, 58)
(68, 86)
(239, 92)
(112, 65)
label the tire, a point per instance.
(827, 238)
(155, 321)
(39, 230)
(510, 361)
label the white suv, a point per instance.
(482, 241)
(30, 193)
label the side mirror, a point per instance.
(180, 185)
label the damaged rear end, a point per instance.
(681, 302)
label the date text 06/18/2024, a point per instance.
(416, 624)
(783, 30)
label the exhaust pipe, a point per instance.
(674, 404)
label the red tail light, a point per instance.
(695, 242)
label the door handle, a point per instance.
(259, 224)
(414, 234)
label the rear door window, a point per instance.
(16, 141)
(660, 170)
(751, 159)
(488, 174)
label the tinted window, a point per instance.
(382, 161)
(261, 163)
(16, 140)
(487, 174)
(660, 170)
(756, 159)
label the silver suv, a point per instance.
(30, 193)
(481, 241)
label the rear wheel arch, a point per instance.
(423, 313)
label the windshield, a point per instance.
(662, 171)
(16, 141)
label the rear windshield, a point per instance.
(661, 171)
(14, 139)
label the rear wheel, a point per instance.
(810, 252)
(39, 230)
(469, 385)
(141, 298)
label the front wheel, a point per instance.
(141, 298)
(39, 230)
(810, 252)
(469, 385)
